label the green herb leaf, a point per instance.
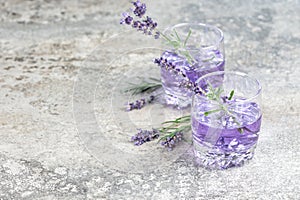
(214, 94)
(144, 87)
(176, 42)
(231, 95)
(208, 59)
(174, 126)
(177, 36)
(187, 37)
(211, 111)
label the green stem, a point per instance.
(211, 111)
(187, 38)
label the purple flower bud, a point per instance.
(135, 24)
(137, 3)
(139, 104)
(125, 14)
(140, 8)
(143, 136)
(151, 99)
(128, 20)
(170, 142)
(157, 35)
(169, 65)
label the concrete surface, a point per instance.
(64, 135)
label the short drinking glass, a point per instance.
(203, 53)
(226, 119)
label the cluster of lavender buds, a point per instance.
(170, 142)
(139, 104)
(144, 24)
(144, 136)
(191, 86)
(140, 8)
(170, 66)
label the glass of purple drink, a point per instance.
(202, 53)
(226, 118)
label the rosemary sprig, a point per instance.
(214, 94)
(179, 45)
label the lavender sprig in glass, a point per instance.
(138, 20)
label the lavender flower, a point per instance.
(170, 142)
(143, 24)
(172, 133)
(151, 99)
(157, 35)
(144, 136)
(139, 104)
(127, 19)
(168, 65)
(191, 86)
(172, 67)
(140, 8)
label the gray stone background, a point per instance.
(44, 44)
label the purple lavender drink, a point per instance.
(225, 131)
(204, 46)
(173, 78)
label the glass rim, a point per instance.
(220, 40)
(236, 73)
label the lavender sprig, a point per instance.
(170, 141)
(144, 87)
(139, 21)
(139, 104)
(171, 131)
(164, 63)
(170, 66)
(144, 136)
(146, 25)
